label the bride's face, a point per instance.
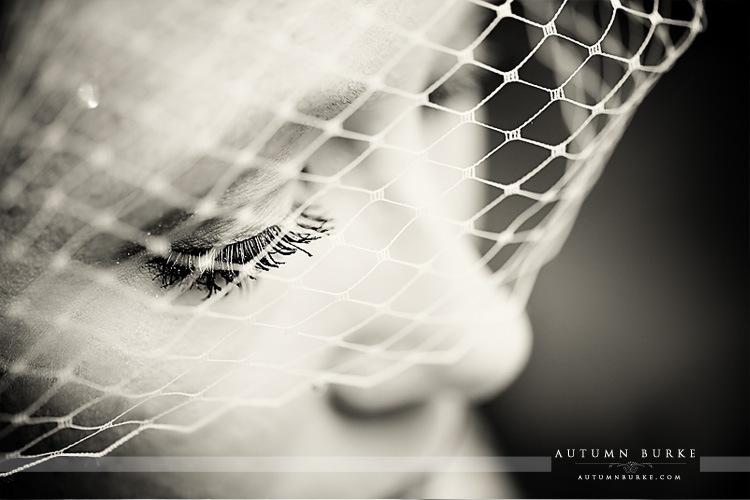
(158, 153)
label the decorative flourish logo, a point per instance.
(598, 464)
(630, 467)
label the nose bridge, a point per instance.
(438, 186)
(444, 204)
(448, 293)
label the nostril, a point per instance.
(346, 402)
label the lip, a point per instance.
(431, 429)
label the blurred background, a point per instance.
(641, 323)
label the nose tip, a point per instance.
(486, 351)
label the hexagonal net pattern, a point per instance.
(417, 197)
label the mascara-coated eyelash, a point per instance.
(207, 269)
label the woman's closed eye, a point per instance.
(208, 269)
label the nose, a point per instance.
(481, 356)
(444, 323)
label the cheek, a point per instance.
(158, 348)
(138, 338)
(78, 326)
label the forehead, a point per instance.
(171, 56)
(167, 81)
(173, 78)
(189, 66)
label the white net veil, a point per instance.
(390, 206)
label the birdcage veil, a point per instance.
(525, 106)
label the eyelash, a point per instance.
(201, 271)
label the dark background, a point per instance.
(641, 323)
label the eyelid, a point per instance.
(204, 259)
(237, 260)
(235, 223)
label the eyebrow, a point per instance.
(326, 104)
